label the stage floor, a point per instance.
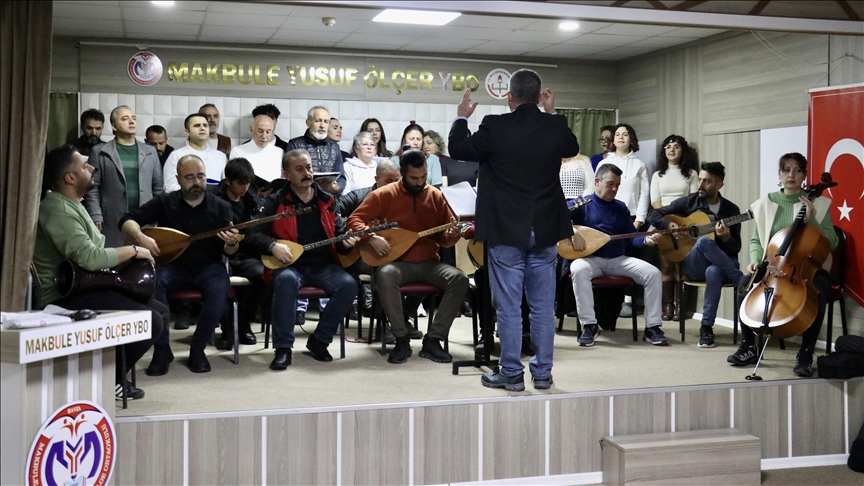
(364, 377)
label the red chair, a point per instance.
(599, 282)
(189, 296)
(305, 292)
(408, 290)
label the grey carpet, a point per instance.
(365, 377)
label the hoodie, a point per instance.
(635, 190)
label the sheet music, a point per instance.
(462, 199)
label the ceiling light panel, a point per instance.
(418, 17)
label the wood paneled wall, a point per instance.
(721, 93)
(506, 438)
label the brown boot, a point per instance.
(668, 299)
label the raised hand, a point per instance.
(466, 108)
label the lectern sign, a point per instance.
(75, 446)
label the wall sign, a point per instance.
(498, 83)
(144, 68)
(75, 446)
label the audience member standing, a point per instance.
(677, 176)
(126, 175)
(92, 121)
(326, 154)
(215, 141)
(198, 131)
(156, 137)
(266, 159)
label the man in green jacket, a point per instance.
(65, 231)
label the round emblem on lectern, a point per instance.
(498, 83)
(75, 446)
(144, 68)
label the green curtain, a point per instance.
(586, 123)
(62, 119)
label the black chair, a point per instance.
(838, 281)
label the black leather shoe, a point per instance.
(466, 309)
(225, 342)
(318, 349)
(282, 359)
(301, 318)
(247, 337)
(198, 361)
(352, 313)
(182, 321)
(162, 358)
(415, 333)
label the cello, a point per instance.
(783, 303)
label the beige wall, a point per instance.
(720, 93)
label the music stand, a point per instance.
(461, 199)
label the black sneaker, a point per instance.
(655, 336)
(746, 355)
(301, 318)
(509, 383)
(132, 393)
(401, 352)
(706, 337)
(542, 383)
(432, 350)
(589, 334)
(803, 364)
(415, 333)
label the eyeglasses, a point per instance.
(604, 140)
(195, 177)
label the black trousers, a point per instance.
(822, 282)
(110, 300)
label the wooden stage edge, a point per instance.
(535, 439)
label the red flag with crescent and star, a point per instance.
(836, 145)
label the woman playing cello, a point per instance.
(773, 212)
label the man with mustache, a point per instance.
(91, 126)
(318, 266)
(215, 141)
(126, 175)
(714, 262)
(416, 206)
(326, 154)
(191, 210)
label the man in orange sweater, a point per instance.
(416, 206)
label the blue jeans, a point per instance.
(286, 282)
(707, 263)
(510, 270)
(213, 283)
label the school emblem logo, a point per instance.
(74, 447)
(144, 68)
(498, 83)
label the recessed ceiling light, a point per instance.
(164, 4)
(421, 17)
(568, 25)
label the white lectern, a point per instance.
(46, 368)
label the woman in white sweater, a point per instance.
(634, 189)
(360, 170)
(677, 176)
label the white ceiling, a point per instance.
(300, 25)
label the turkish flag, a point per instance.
(836, 132)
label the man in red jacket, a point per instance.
(316, 266)
(416, 206)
